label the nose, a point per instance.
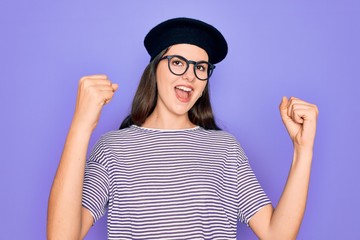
(189, 74)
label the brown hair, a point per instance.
(145, 100)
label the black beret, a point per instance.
(190, 31)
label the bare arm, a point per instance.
(284, 221)
(67, 219)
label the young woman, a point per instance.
(170, 172)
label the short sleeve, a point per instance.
(251, 196)
(96, 182)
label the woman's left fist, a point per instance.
(299, 118)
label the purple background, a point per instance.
(308, 49)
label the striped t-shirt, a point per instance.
(171, 184)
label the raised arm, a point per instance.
(283, 222)
(67, 219)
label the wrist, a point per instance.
(81, 128)
(303, 148)
(80, 124)
(302, 155)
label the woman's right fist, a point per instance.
(93, 93)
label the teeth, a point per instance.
(186, 89)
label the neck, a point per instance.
(168, 121)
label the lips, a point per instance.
(183, 93)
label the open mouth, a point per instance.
(183, 93)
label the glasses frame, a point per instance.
(188, 62)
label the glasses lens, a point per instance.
(178, 65)
(202, 70)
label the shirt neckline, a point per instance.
(165, 130)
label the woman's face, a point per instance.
(178, 94)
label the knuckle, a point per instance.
(81, 81)
(88, 87)
(84, 81)
(84, 78)
(108, 82)
(315, 108)
(317, 111)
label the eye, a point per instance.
(202, 67)
(177, 62)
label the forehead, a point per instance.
(189, 51)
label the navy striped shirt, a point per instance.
(171, 184)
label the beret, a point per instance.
(190, 31)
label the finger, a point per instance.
(106, 93)
(96, 76)
(293, 101)
(97, 81)
(96, 91)
(310, 109)
(305, 113)
(94, 83)
(283, 103)
(88, 79)
(289, 107)
(298, 116)
(114, 86)
(297, 107)
(107, 97)
(103, 88)
(283, 106)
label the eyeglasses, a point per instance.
(178, 65)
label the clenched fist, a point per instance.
(93, 93)
(300, 120)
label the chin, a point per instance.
(182, 110)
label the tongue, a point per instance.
(181, 93)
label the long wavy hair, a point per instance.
(145, 100)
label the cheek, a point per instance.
(202, 86)
(159, 80)
(161, 83)
(163, 78)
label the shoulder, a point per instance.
(117, 135)
(110, 140)
(229, 142)
(221, 135)
(220, 138)
(108, 145)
